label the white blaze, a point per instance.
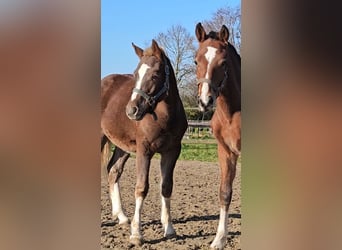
(209, 55)
(141, 73)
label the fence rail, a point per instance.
(198, 129)
(199, 124)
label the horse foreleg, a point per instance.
(141, 189)
(227, 162)
(115, 169)
(168, 162)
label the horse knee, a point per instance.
(225, 197)
(114, 174)
(141, 190)
(166, 189)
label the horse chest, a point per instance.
(228, 134)
(160, 143)
(157, 141)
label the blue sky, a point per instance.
(127, 21)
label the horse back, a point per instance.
(113, 84)
(115, 92)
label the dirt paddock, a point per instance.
(194, 209)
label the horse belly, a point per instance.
(120, 131)
(126, 145)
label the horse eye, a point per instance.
(195, 62)
(224, 63)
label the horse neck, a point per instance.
(229, 100)
(173, 90)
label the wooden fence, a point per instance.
(198, 129)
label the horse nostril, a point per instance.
(211, 100)
(132, 110)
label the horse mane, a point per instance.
(149, 52)
(233, 52)
(213, 35)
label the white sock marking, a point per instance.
(221, 234)
(166, 217)
(223, 222)
(116, 204)
(141, 73)
(136, 223)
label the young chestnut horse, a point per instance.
(219, 78)
(143, 114)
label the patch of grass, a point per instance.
(199, 151)
(195, 150)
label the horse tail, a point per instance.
(105, 151)
(104, 140)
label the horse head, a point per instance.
(211, 60)
(151, 81)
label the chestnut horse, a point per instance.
(219, 79)
(143, 113)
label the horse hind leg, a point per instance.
(168, 162)
(115, 169)
(105, 152)
(228, 169)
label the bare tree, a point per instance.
(178, 44)
(231, 17)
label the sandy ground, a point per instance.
(194, 209)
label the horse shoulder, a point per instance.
(236, 122)
(228, 134)
(235, 132)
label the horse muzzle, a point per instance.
(205, 105)
(134, 113)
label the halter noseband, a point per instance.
(151, 100)
(200, 80)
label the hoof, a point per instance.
(169, 232)
(122, 218)
(136, 240)
(216, 245)
(170, 235)
(124, 221)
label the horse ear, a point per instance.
(200, 32)
(156, 50)
(138, 51)
(224, 34)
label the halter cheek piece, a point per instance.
(151, 100)
(215, 88)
